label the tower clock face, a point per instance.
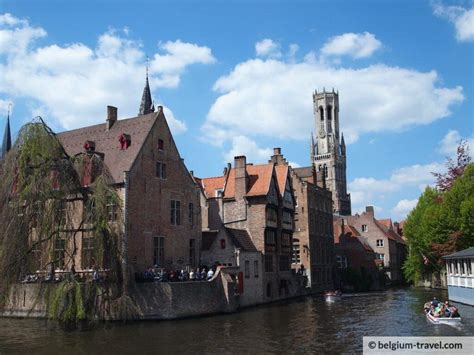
(322, 134)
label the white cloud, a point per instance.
(269, 48)
(450, 143)
(273, 98)
(72, 84)
(242, 145)
(403, 207)
(355, 45)
(367, 191)
(462, 18)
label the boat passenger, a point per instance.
(435, 302)
(192, 276)
(210, 274)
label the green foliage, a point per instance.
(67, 304)
(43, 203)
(441, 223)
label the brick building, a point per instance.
(258, 201)
(160, 200)
(357, 267)
(313, 238)
(389, 247)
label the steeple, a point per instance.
(146, 105)
(343, 145)
(7, 137)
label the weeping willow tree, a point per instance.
(51, 203)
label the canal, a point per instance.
(300, 326)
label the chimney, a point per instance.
(276, 151)
(369, 210)
(240, 163)
(111, 116)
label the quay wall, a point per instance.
(154, 300)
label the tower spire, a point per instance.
(146, 105)
(7, 136)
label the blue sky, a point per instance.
(238, 78)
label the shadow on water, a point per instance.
(303, 325)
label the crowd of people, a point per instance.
(439, 309)
(155, 273)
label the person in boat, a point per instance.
(454, 313)
(435, 302)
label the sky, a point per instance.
(237, 79)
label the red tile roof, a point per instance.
(259, 177)
(211, 184)
(282, 175)
(389, 233)
(107, 141)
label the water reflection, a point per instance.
(304, 325)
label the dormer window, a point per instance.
(125, 141)
(89, 146)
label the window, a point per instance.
(59, 247)
(380, 242)
(329, 110)
(191, 214)
(325, 169)
(455, 263)
(175, 212)
(161, 170)
(222, 243)
(468, 267)
(158, 251)
(268, 263)
(269, 289)
(463, 270)
(112, 214)
(270, 237)
(284, 263)
(272, 215)
(255, 268)
(380, 256)
(287, 220)
(62, 212)
(341, 261)
(296, 251)
(364, 228)
(247, 269)
(160, 144)
(285, 239)
(192, 251)
(87, 255)
(219, 192)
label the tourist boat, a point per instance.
(442, 320)
(332, 296)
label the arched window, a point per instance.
(325, 171)
(321, 113)
(329, 114)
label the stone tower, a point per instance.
(328, 151)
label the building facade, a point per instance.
(313, 238)
(256, 200)
(328, 152)
(460, 273)
(389, 247)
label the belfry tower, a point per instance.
(328, 151)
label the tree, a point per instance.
(444, 181)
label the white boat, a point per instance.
(442, 320)
(332, 296)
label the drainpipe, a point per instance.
(124, 246)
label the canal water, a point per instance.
(307, 325)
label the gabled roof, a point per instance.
(466, 253)
(241, 239)
(107, 141)
(304, 172)
(211, 184)
(352, 232)
(259, 178)
(386, 222)
(389, 233)
(282, 177)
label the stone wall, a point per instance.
(157, 300)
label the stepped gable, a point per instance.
(107, 142)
